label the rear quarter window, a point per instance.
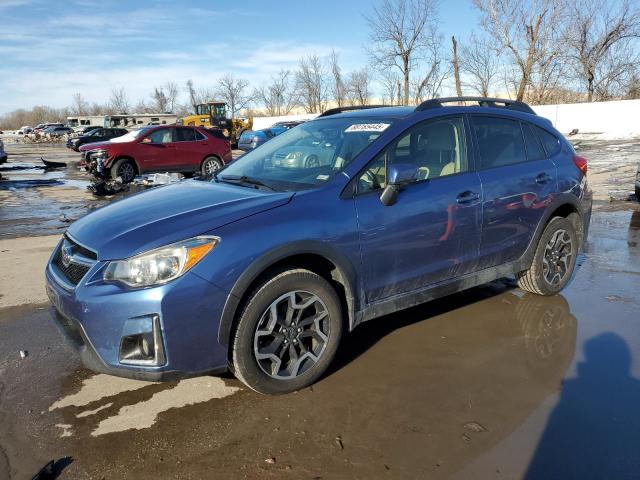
(550, 141)
(534, 147)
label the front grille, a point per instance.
(75, 270)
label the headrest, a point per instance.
(440, 136)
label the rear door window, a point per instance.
(551, 142)
(534, 148)
(500, 141)
(185, 135)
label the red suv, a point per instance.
(165, 148)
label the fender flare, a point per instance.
(345, 271)
(559, 201)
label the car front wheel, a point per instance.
(125, 169)
(288, 333)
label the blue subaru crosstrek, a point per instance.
(264, 267)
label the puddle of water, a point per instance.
(139, 415)
(98, 387)
(144, 414)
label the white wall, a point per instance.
(617, 119)
(265, 122)
(613, 119)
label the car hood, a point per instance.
(95, 145)
(168, 214)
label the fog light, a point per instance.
(141, 342)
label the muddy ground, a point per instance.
(488, 383)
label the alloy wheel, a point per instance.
(557, 257)
(211, 166)
(291, 335)
(126, 172)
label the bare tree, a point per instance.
(172, 93)
(97, 109)
(633, 86)
(400, 30)
(547, 79)
(193, 100)
(527, 29)
(455, 65)
(278, 97)
(233, 91)
(437, 69)
(144, 107)
(338, 85)
(159, 98)
(311, 84)
(358, 87)
(80, 106)
(479, 64)
(119, 101)
(390, 83)
(598, 35)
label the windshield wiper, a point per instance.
(244, 180)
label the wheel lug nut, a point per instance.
(299, 329)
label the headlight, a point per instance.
(99, 154)
(161, 265)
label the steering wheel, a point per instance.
(372, 179)
(312, 161)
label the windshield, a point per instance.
(308, 155)
(129, 137)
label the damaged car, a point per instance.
(165, 148)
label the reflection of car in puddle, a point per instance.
(549, 331)
(633, 238)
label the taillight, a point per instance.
(581, 163)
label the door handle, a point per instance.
(467, 197)
(543, 178)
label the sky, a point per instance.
(51, 50)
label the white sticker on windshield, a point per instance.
(368, 127)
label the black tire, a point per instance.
(210, 165)
(125, 169)
(541, 277)
(245, 364)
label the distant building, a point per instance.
(124, 120)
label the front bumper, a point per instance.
(95, 316)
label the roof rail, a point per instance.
(482, 102)
(335, 111)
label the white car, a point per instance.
(25, 130)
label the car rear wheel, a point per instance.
(554, 260)
(125, 169)
(210, 165)
(288, 333)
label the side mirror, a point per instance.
(400, 174)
